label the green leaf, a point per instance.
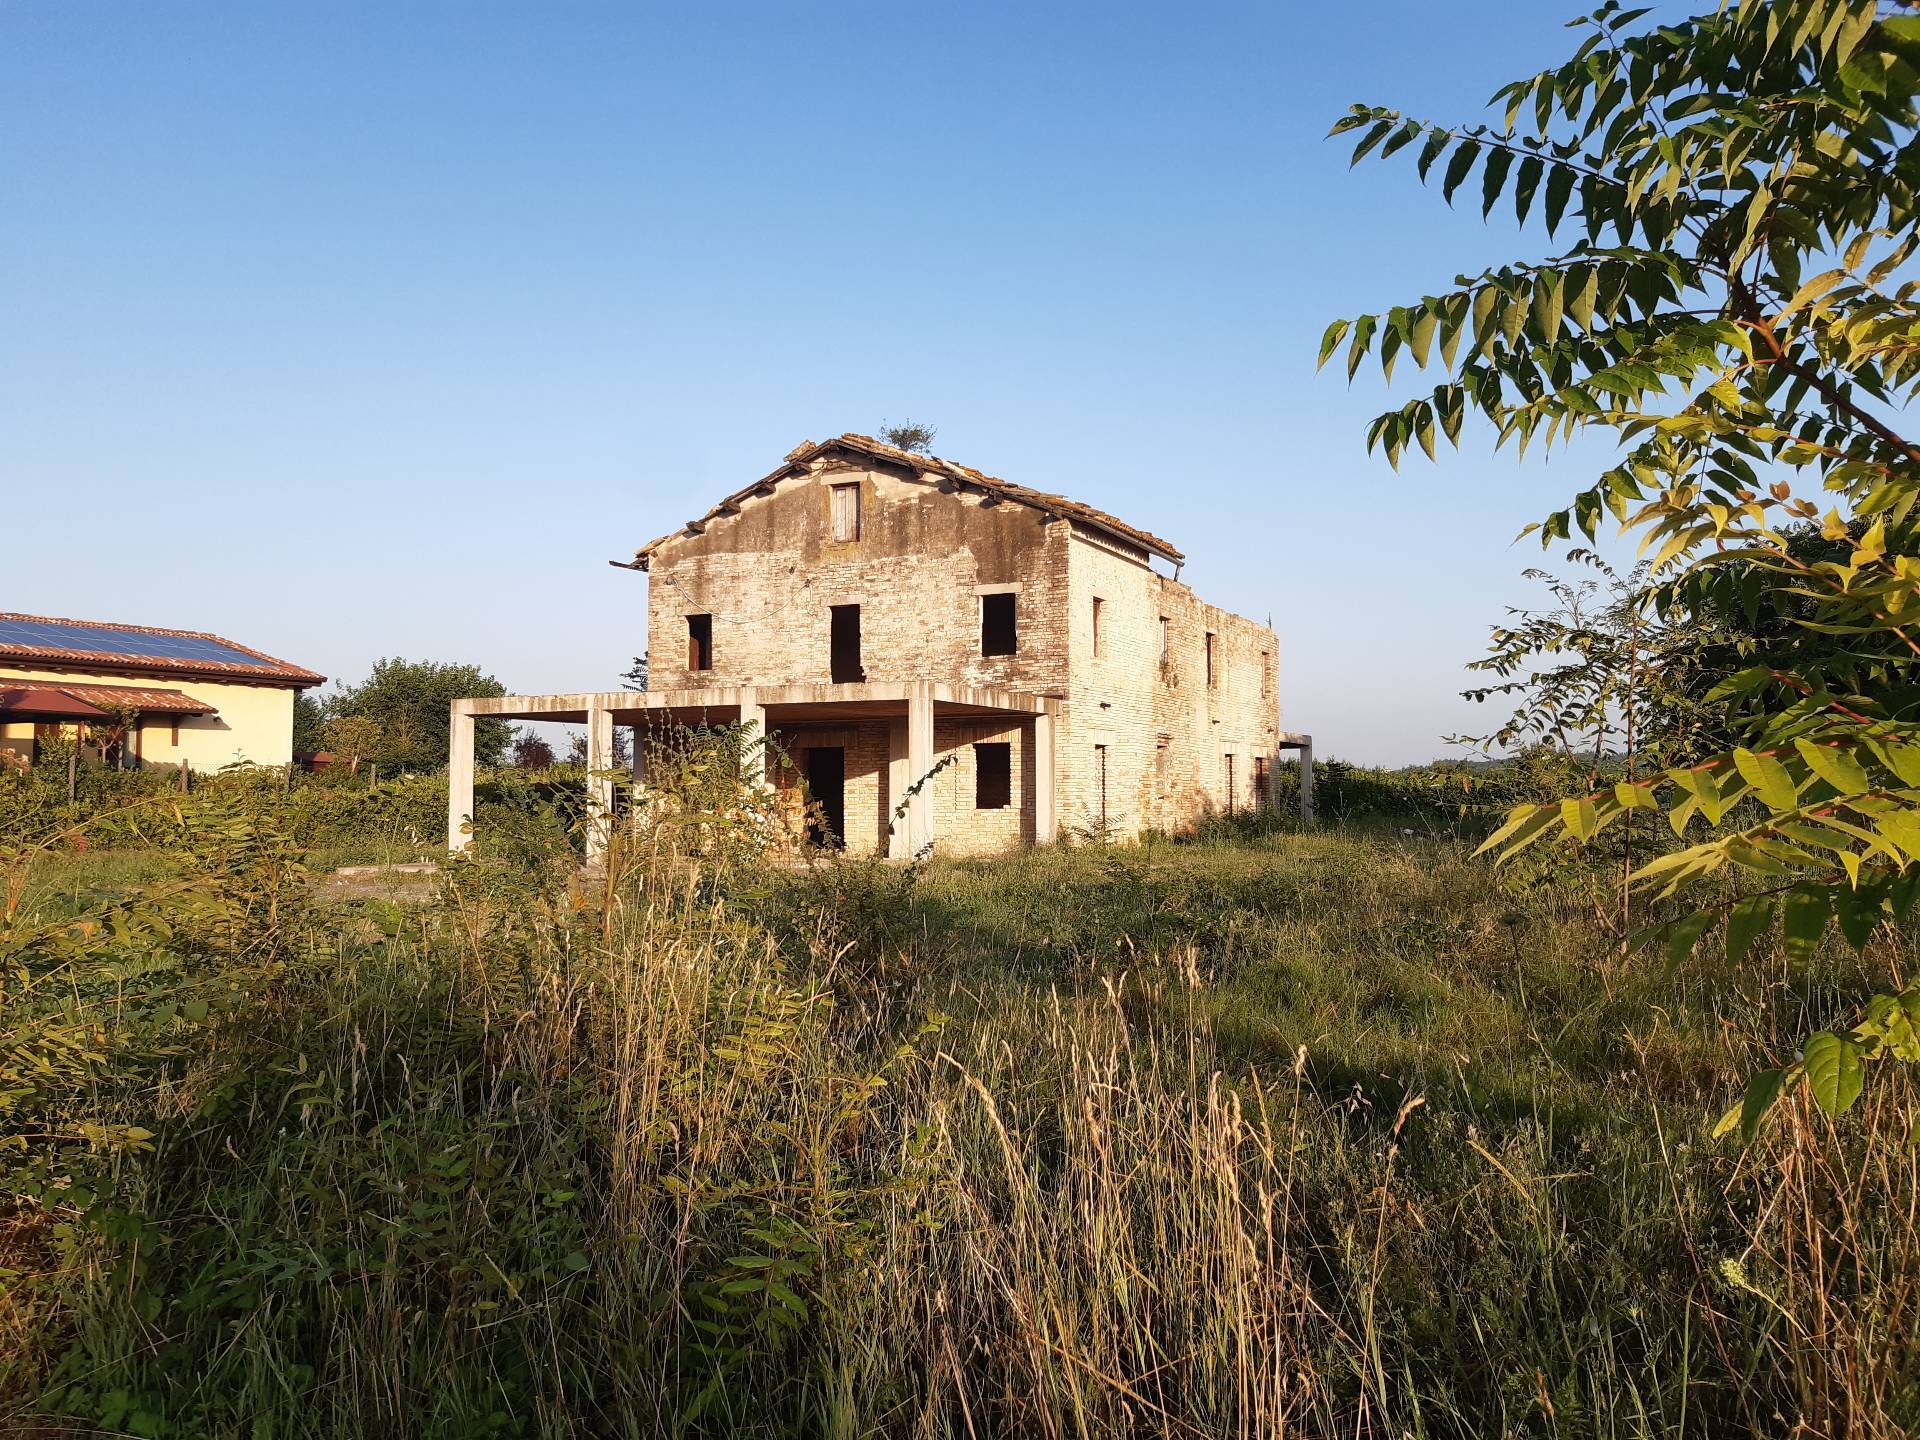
(1836, 1073)
(1769, 779)
(1559, 187)
(1363, 329)
(1859, 911)
(1683, 934)
(1582, 292)
(1746, 922)
(1546, 305)
(1761, 1093)
(1493, 179)
(1420, 340)
(1580, 818)
(1330, 341)
(1806, 920)
(1458, 168)
(1835, 766)
(1372, 138)
(1525, 184)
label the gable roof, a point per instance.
(961, 476)
(141, 649)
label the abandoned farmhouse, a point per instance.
(882, 615)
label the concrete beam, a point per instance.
(575, 707)
(460, 776)
(919, 769)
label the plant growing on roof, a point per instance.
(909, 435)
(1742, 190)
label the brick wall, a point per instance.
(1176, 747)
(1167, 733)
(770, 575)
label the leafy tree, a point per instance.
(634, 677)
(909, 435)
(309, 724)
(530, 752)
(352, 738)
(1742, 190)
(410, 701)
(1599, 679)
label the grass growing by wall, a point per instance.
(1323, 1135)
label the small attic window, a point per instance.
(844, 506)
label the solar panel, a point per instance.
(52, 635)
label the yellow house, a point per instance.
(147, 696)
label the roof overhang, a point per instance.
(38, 702)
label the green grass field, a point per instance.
(1325, 1134)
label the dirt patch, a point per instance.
(412, 882)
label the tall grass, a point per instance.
(1298, 1135)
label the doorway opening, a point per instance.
(827, 787)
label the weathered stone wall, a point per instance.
(1167, 732)
(770, 575)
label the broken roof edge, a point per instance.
(805, 453)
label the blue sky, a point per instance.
(358, 330)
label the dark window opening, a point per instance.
(992, 776)
(1210, 672)
(1100, 771)
(1266, 674)
(997, 634)
(1099, 630)
(1229, 784)
(845, 646)
(699, 642)
(1262, 783)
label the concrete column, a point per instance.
(1046, 819)
(919, 766)
(753, 719)
(460, 777)
(599, 783)
(1306, 781)
(897, 782)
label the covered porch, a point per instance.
(901, 717)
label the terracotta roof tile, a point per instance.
(144, 698)
(807, 451)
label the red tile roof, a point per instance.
(40, 702)
(144, 698)
(263, 669)
(960, 475)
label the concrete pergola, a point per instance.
(762, 709)
(1296, 740)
